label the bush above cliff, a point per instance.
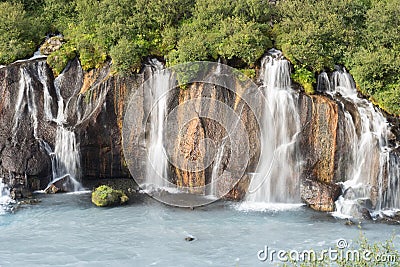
(362, 35)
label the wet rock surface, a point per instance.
(319, 195)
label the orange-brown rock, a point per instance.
(319, 195)
(319, 117)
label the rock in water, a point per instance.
(104, 196)
(318, 195)
(62, 184)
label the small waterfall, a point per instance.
(156, 171)
(26, 97)
(215, 173)
(66, 156)
(47, 99)
(277, 177)
(5, 198)
(369, 163)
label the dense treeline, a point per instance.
(362, 35)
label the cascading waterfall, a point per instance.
(370, 161)
(156, 171)
(5, 198)
(216, 169)
(66, 156)
(277, 177)
(26, 96)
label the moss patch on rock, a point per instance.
(104, 196)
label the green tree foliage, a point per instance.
(235, 30)
(17, 32)
(362, 35)
(376, 65)
(319, 34)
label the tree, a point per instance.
(16, 38)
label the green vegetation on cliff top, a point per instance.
(362, 35)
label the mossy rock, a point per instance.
(104, 196)
(51, 45)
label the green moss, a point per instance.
(305, 78)
(251, 73)
(104, 196)
(88, 96)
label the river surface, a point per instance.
(67, 230)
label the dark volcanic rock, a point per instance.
(94, 104)
(60, 185)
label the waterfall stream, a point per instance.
(156, 170)
(216, 169)
(66, 156)
(370, 164)
(277, 176)
(5, 198)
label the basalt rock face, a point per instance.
(96, 103)
(21, 155)
(322, 146)
(319, 195)
(93, 108)
(205, 134)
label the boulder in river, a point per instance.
(60, 185)
(318, 195)
(104, 196)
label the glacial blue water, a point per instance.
(67, 230)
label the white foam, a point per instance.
(150, 189)
(79, 192)
(340, 215)
(388, 213)
(263, 206)
(5, 199)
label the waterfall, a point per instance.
(277, 176)
(156, 170)
(26, 97)
(370, 162)
(47, 99)
(66, 156)
(215, 173)
(5, 198)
